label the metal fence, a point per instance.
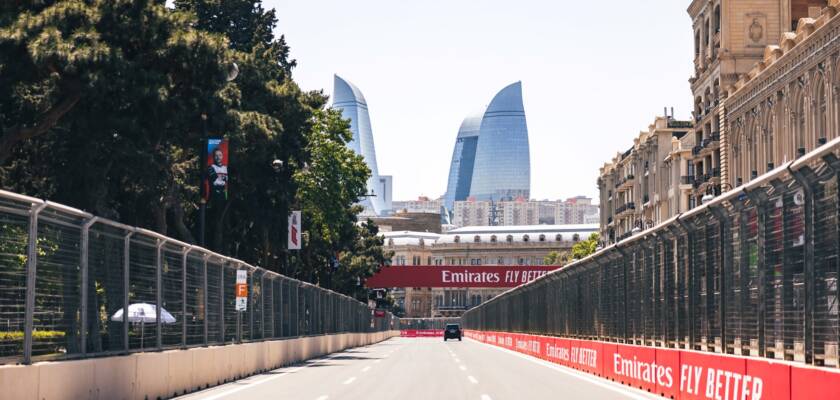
(752, 272)
(66, 277)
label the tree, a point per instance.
(553, 258)
(586, 247)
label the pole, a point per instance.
(203, 166)
(31, 278)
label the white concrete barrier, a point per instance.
(165, 374)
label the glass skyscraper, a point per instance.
(349, 99)
(492, 160)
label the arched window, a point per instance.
(576, 237)
(510, 238)
(457, 239)
(477, 239)
(821, 120)
(542, 238)
(558, 237)
(493, 239)
(799, 128)
(525, 238)
(390, 242)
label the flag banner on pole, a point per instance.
(294, 231)
(216, 178)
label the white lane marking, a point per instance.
(615, 387)
(485, 397)
(366, 369)
(349, 381)
(377, 361)
(267, 379)
(463, 368)
(457, 360)
(324, 397)
(472, 379)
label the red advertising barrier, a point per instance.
(677, 374)
(438, 333)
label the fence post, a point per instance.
(806, 178)
(31, 275)
(725, 260)
(690, 282)
(262, 304)
(159, 293)
(184, 296)
(624, 302)
(206, 296)
(83, 266)
(126, 286)
(759, 197)
(222, 302)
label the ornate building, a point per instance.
(787, 104)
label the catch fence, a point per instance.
(67, 276)
(752, 272)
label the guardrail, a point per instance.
(66, 278)
(753, 272)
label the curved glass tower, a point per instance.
(492, 159)
(463, 160)
(349, 99)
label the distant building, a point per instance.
(349, 99)
(521, 212)
(422, 205)
(491, 158)
(575, 211)
(476, 246)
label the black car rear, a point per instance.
(452, 331)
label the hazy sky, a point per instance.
(594, 73)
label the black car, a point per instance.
(452, 331)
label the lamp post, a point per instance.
(230, 75)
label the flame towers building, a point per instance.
(491, 160)
(349, 99)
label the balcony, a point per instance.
(696, 150)
(687, 180)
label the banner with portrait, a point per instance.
(216, 174)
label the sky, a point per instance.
(594, 74)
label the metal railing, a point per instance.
(752, 272)
(66, 278)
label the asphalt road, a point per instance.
(423, 368)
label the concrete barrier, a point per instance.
(165, 374)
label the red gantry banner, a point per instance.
(477, 276)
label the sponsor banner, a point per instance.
(678, 374)
(669, 359)
(215, 180)
(487, 276)
(438, 333)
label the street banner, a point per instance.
(216, 178)
(241, 290)
(487, 276)
(673, 373)
(294, 231)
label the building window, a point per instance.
(457, 239)
(525, 238)
(558, 237)
(510, 238)
(575, 237)
(493, 239)
(477, 239)
(542, 238)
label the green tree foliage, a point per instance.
(105, 104)
(553, 258)
(586, 247)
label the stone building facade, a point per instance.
(762, 96)
(789, 103)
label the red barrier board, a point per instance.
(679, 374)
(438, 333)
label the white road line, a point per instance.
(349, 381)
(366, 369)
(463, 368)
(457, 360)
(248, 385)
(485, 397)
(472, 379)
(615, 387)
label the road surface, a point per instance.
(422, 368)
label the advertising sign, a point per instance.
(294, 231)
(489, 276)
(241, 290)
(216, 178)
